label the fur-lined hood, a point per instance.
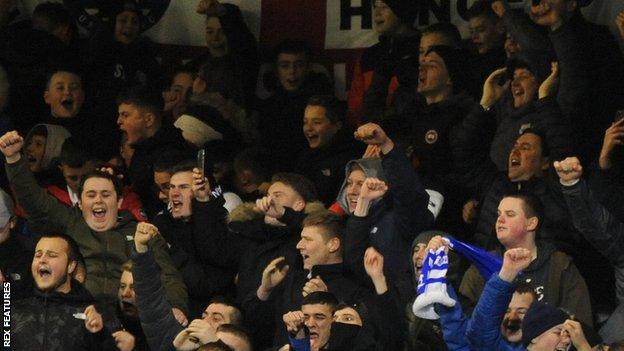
(247, 211)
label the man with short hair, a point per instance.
(280, 114)
(94, 224)
(317, 315)
(252, 173)
(320, 246)
(71, 320)
(553, 275)
(330, 146)
(269, 228)
(140, 119)
(192, 225)
(487, 35)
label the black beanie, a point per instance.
(405, 10)
(540, 318)
(456, 63)
(537, 63)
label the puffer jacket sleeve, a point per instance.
(453, 323)
(159, 324)
(483, 329)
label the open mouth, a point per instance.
(67, 104)
(30, 158)
(176, 205)
(44, 272)
(514, 162)
(312, 138)
(313, 335)
(99, 213)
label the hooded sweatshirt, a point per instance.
(395, 219)
(55, 138)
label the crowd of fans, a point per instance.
(307, 223)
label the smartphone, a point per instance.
(201, 161)
(619, 115)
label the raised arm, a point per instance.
(39, 205)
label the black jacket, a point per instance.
(591, 82)
(190, 247)
(325, 166)
(543, 115)
(281, 120)
(146, 152)
(254, 244)
(603, 230)
(15, 261)
(157, 319)
(432, 135)
(287, 297)
(46, 321)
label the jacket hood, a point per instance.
(544, 251)
(247, 211)
(371, 167)
(55, 138)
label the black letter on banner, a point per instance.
(442, 12)
(346, 12)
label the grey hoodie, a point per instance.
(372, 169)
(55, 138)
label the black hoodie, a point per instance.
(48, 321)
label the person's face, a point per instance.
(386, 21)
(64, 95)
(74, 175)
(317, 128)
(126, 152)
(161, 180)
(525, 159)
(181, 85)
(127, 27)
(354, 185)
(181, 194)
(554, 339)
(126, 296)
(292, 70)
(418, 257)
(50, 266)
(432, 75)
(217, 314)
(512, 224)
(427, 41)
(133, 122)
(523, 87)
(511, 46)
(285, 196)
(215, 37)
(99, 204)
(318, 319)
(34, 151)
(348, 315)
(483, 33)
(313, 247)
(548, 12)
(512, 322)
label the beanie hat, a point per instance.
(540, 318)
(405, 10)
(125, 5)
(456, 65)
